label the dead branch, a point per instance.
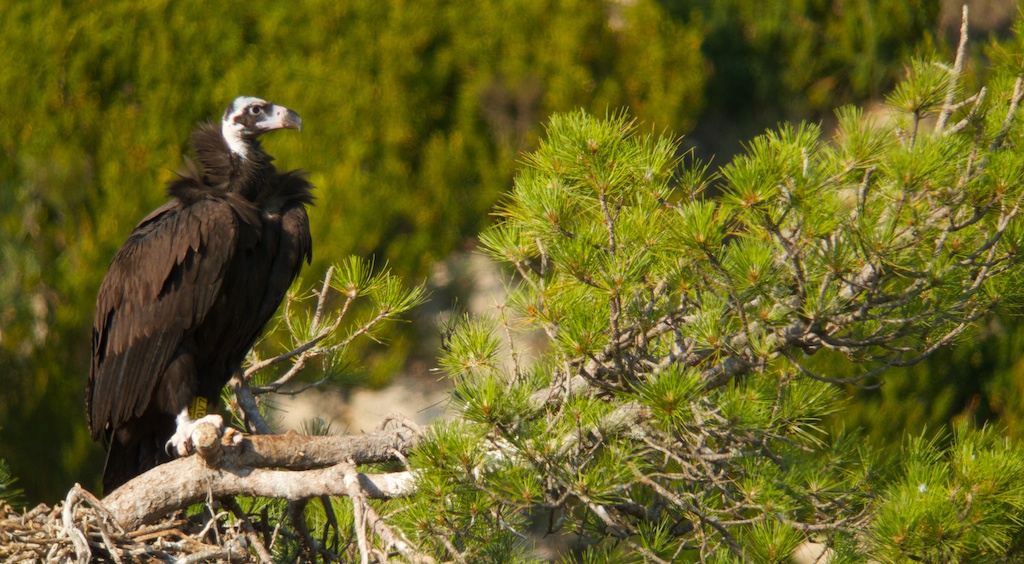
(286, 466)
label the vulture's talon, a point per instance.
(231, 436)
(181, 444)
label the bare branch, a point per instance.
(366, 517)
(954, 79)
(249, 405)
(312, 468)
(254, 539)
(1015, 99)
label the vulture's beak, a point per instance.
(279, 117)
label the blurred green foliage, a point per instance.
(807, 57)
(799, 59)
(8, 493)
(416, 114)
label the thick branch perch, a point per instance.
(306, 467)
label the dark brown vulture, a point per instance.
(191, 290)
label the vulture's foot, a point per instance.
(181, 441)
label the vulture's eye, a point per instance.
(255, 110)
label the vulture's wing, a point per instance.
(160, 285)
(295, 245)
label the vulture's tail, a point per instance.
(125, 462)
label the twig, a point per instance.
(248, 405)
(359, 510)
(371, 520)
(954, 79)
(250, 532)
(402, 420)
(82, 551)
(1015, 99)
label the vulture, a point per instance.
(189, 292)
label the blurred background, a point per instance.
(415, 115)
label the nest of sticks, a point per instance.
(80, 529)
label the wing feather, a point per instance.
(160, 285)
(294, 248)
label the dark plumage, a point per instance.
(190, 291)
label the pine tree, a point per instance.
(653, 384)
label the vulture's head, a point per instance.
(247, 118)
